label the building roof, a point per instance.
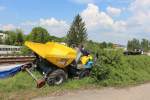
(118, 45)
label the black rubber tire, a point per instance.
(57, 77)
(84, 73)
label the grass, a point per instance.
(22, 86)
(130, 70)
(117, 71)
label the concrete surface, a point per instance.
(141, 92)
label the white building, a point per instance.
(118, 46)
(3, 35)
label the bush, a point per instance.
(25, 51)
(107, 60)
(113, 68)
(111, 57)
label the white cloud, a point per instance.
(29, 23)
(2, 8)
(100, 21)
(113, 11)
(95, 18)
(54, 26)
(52, 22)
(83, 1)
(7, 27)
(101, 26)
(140, 11)
(139, 22)
(140, 5)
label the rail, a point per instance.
(16, 59)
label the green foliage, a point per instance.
(19, 37)
(95, 46)
(14, 37)
(111, 69)
(110, 45)
(57, 39)
(145, 45)
(115, 69)
(77, 33)
(106, 45)
(103, 45)
(106, 61)
(11, 38)
(25, 51)
(38, 34)
(22, 84)
(136, 44)
(133, 44)
(111, 57)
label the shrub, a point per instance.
(25, 51)
(107, 60)
(111, 57)
(113, 68)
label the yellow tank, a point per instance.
(58, 54)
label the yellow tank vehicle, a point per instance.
(56, 62)
(56, 53)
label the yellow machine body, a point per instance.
(85, 59)
(58, 54)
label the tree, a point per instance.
(77, 33)
(103, 45)
(20, 37)
(110, 45)
(134, 44)
(145, 45)
(129, 46)
(11, 38)
(39, 34)
(57, 39)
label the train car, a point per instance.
(9, 49)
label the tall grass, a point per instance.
(23, 87)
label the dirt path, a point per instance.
(141, 92)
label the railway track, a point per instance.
(16, 59)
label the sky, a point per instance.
(114, 21)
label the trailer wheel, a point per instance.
(57, 77)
